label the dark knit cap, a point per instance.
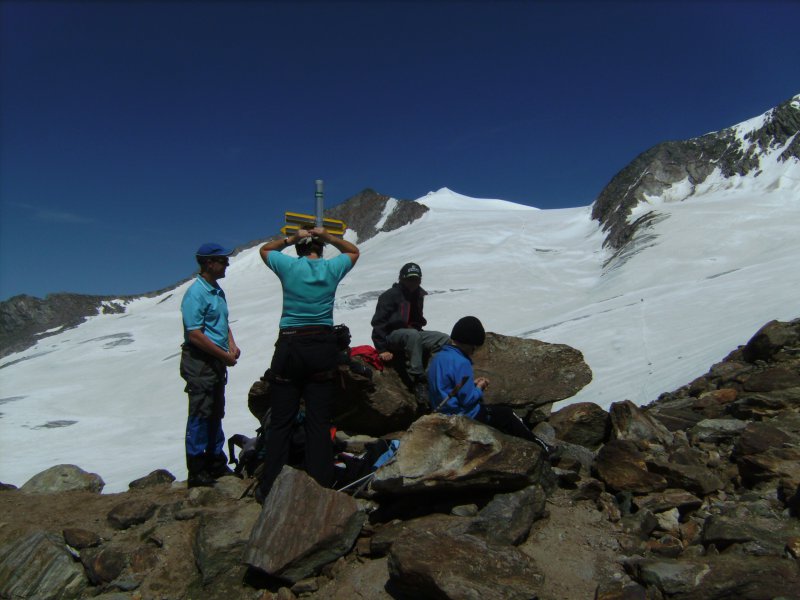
(468, 330)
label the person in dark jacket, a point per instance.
(453, 389)
(398, 322)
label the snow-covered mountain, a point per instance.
(709, 261)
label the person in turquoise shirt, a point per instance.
(208, 350)
(306, 353)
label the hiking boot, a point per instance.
(201, 479)
(421, 393)
(223, 471)
(549, 451)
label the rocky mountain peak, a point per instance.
(737, 150)
(25, 318)
(369, 212)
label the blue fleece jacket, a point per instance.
(447, 369)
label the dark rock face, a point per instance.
(363, 211)
(23, 317)
(656, 169)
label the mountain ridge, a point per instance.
(736, 150)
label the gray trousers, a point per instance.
(414, 343)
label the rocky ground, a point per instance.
(694, 497)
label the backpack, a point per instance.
(352, 469)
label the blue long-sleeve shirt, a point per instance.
(447, 369)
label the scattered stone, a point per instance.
(130, 513)
(718, 577)
(157, 477)
(103, 565)
(629, 422)
(584, 424)
(508, 518)
(221, 538)
(621, 466)
(424, 565)
(81, 538)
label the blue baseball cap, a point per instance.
(212, 249)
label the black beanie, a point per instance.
(468, 330)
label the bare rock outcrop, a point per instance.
(694, 496)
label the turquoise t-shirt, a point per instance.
(309, 287)
(204, 307)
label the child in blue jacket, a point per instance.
(453, 389)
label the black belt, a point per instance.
(307, 330)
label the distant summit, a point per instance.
(675, 170)
(368, 213)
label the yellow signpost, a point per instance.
(295, 221)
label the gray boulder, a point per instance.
(302, 526)
(63, 478)
(131, 512)
(720, 577)
(39, 566)
(426, 565)
(622, 467)
(220, 539)
(771, 339)
(629, 422)
(376, 406)
(529, 373)
(508, 518)
(446, 453)
(583, 423)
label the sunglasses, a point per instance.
(222, 261)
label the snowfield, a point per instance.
(715, 267)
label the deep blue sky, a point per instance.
(132, 132)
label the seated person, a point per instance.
(453, 390)
(398, 322)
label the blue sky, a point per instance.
(131, 132)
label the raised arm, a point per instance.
(340, 244)
(278, 245)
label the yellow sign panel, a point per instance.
(295, 221)
(292, 229)
(293, 218)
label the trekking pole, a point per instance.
(453, 393)
(320, 204)
(352, 483)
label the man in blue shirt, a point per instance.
(208, 349)
(306, 354)
(453, 390)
